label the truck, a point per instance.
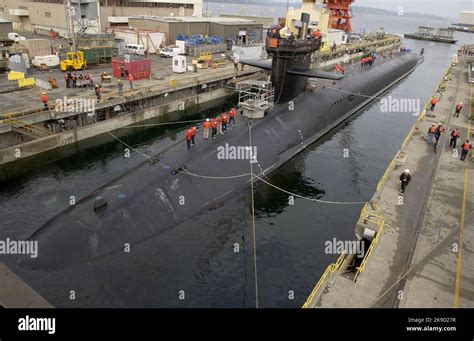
(15, 37)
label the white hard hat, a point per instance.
(207, 120)
(407, 171)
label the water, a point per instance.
(197, 257)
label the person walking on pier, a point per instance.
(193, 134)
(44, 100)
(219, 125)
(405, 179)
(434, 101)
(130, 80)
(97, 92)
(458, 109)
(120, 87)
(188, 135)
(431, 133)
(214, 128)
(465, 149)
(236, 64)
(439, 132)
(74, 80)
(454, 138)
(91, 81)
(225, 118)
(206, 125)
(66, 77)
(232, 113)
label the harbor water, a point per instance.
(208, 260)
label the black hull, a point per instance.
(147, 200)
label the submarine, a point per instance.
(276, 124)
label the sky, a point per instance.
(442, 8)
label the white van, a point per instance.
(135, 49)
(16, 37)
(169, 52)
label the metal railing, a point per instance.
(377, 220)
(330, 270)
(29, 128)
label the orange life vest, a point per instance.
(441, 129)
(44, 98)
(206, 125)
(434, 101)
(214, 123)
(224, 118)
(188, 134)
(433, 130)
(466, 146)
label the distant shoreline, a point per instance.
(356, 9)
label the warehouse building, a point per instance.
(467, 18)
(91, 16)
(232, 29)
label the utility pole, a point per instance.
(70, 19)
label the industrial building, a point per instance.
(238, 30)
(5, 28)
(91, 16)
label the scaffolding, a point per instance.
(255, 97)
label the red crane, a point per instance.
(340, 14)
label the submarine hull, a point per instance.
(153, 198)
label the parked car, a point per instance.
(15, 37)
(169, 52)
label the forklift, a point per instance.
(73, 61)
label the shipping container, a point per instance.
(139, 68)
(99, 55)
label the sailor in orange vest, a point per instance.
(188, 135)
(219, 125)
(439, 132)
(434, 101)
(225, 118)
(44, 99)
(74, 80)
(193, 130)
(458, 109)
(454, 137)
(465, 149)
(431, 133)
(206, 125)
(232, 113)
(66, 77)
(130, 80)
(214, 128)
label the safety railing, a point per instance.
(29, 128)
(330, 270)
(377, 220)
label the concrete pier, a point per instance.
(422, 254)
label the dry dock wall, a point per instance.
(44, 144)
